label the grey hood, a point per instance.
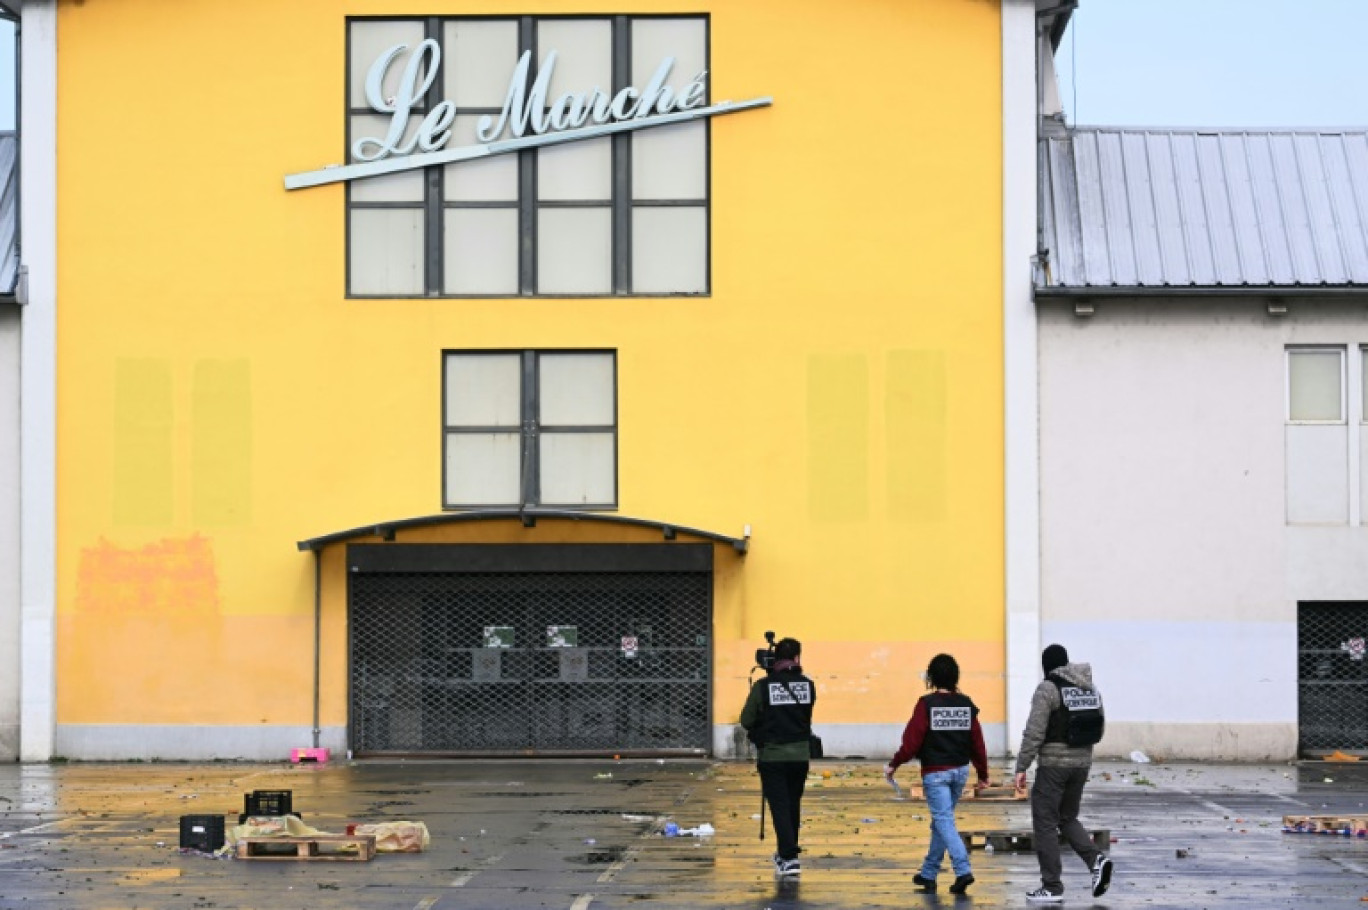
(1078, 674)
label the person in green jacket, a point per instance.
(778, 719)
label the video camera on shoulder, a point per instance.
(764, 657)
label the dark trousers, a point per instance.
(782, 783)
(1055, 799)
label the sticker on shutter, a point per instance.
(952, 719)
(1076, 699)
(779, 694)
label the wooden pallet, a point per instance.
(333, 847)
(1023, 840)
(996, 794)
(1354, 825)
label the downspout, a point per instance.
(318, 626)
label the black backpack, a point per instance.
(1080, 720)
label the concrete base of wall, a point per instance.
(118, 742)
(1200, 742)
(853, 741)
(9, 742)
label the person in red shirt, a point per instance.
(945, 736)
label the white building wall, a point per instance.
(9, 533)
(1168, 558)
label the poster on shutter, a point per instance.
(1355, 647)
(629, 646)
(498, 636)
(562, 636)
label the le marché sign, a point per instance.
(528, 118)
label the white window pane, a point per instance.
(386, 251)
(1363, 398)
(481, 249)
(686, 40)
(670, 162)
(670, 250)
(1314, 385)
(577, 469)
(576, 170)
(574, 251)
(491, 179)
(584, 55)
(483, 390)
(483, 469)
(369, 40)
(478, 57)
(575, 389)
(402, 187)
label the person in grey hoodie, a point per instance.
(1063, 771)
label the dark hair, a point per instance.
(943, 672)
(788, 649)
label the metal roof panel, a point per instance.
(9, 213)
(1205, 208)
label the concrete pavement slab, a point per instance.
(586, 835)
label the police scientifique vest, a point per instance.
(948, 738)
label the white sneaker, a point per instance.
(1043, 895)
(1101, 875)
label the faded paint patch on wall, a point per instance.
(838, 436)
(221, 443)
(169, 577)
(917, 439)
(142, 442)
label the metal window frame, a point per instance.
(621, 202)
(1292, 349)
(530, 428)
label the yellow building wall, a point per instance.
(219, 398)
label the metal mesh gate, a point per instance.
(1332, 673)
(517, 661)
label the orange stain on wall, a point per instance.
(166, 577)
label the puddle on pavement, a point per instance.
(598, 856)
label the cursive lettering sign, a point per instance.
(527, 119)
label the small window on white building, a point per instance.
(526, 428)
(1315, 385)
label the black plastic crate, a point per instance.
(268, 802)
(201, 832)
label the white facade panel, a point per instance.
(1187, 672)
(1318, 474)
(9, 533)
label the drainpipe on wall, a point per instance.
(318, 625)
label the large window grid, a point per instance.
(529, 428)
(621, 215)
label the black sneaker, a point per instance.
(788, 868)
(1101, 874)
(962, 883)
(1043, 895)
(928, 885)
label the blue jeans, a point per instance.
(943, 789)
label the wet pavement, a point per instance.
(564, 834)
